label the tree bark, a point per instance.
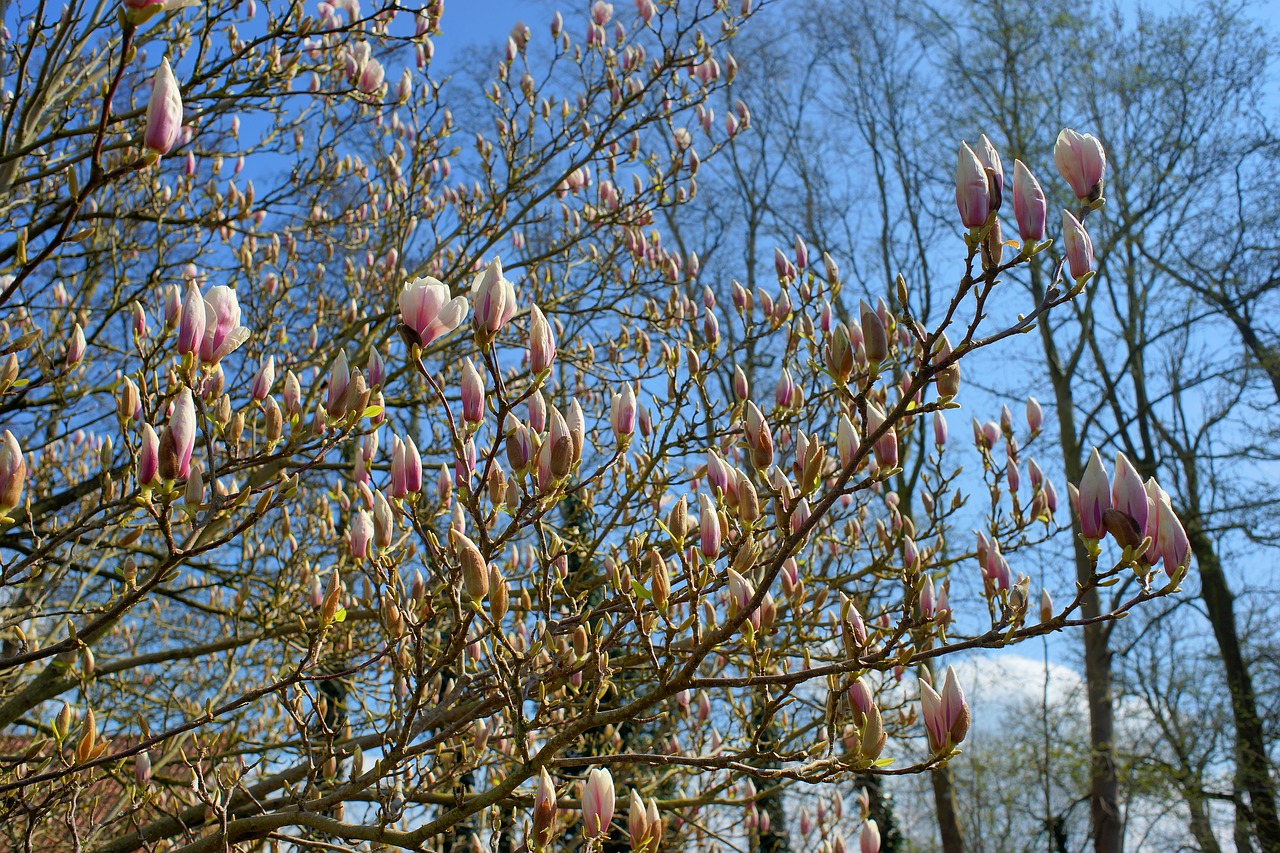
(944, 798)
(1252, 765)
(1104, 807)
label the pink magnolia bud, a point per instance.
(718, 473)
(860, 698)
(802, 253)
(946, 715)
(886, 447)
(1080, 160)
(139, 320)
(1077, 246)
(13, 473)
(192, 322)
(875, 337)
(292, 394)
(178, 440)
(847, 441)
(383, 522)
(1128, 494)
(339, 378)
(740, 594)
(759, 437)
(406, 468)
(785, 392)
(148, 456)
(75, 347)
(1035, 417)
(708, 527)
(841, 354)
(622, 413)
(164, 111)
(1175, 547)
(994, 168)
(537, 412)
(361, 534)
(172, 306)
(542, 344)
(928, 598)
(637, 818)
(1035, 474)
(869, 838)
(741, 388)
(494, 298)
(472, 393)
(142, 768)
(1095, 497)
(223, 333)
(1028, 203)
(427, 311)
(264, 379)
(597, 803)
(519, 446)
(973, 196)
(782, 265)
(375, 371)
(990, 434)
(544, 811)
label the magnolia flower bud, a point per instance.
(475, 572)
(264, 379)
(361, 534)
(1029, 206)
(869, 838)
(1095, 497)
(875, 340)
(339, 378)
(178, 440)
(946, 715)
(164, 111)
(192, 321)
(542, 346)
(1035, 417)
(973, 195)
(840, 353)
(1077, 246)
(544, 810)
(1128, 494)
(708, 527)
(75, 347)
(499, 594)
(622, 414)
(274, 419)
(472, 393)
(13, 473)
(597, 803)
(1081, 162)
(659, 580)
(383, 522)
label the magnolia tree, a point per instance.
(325, 527)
